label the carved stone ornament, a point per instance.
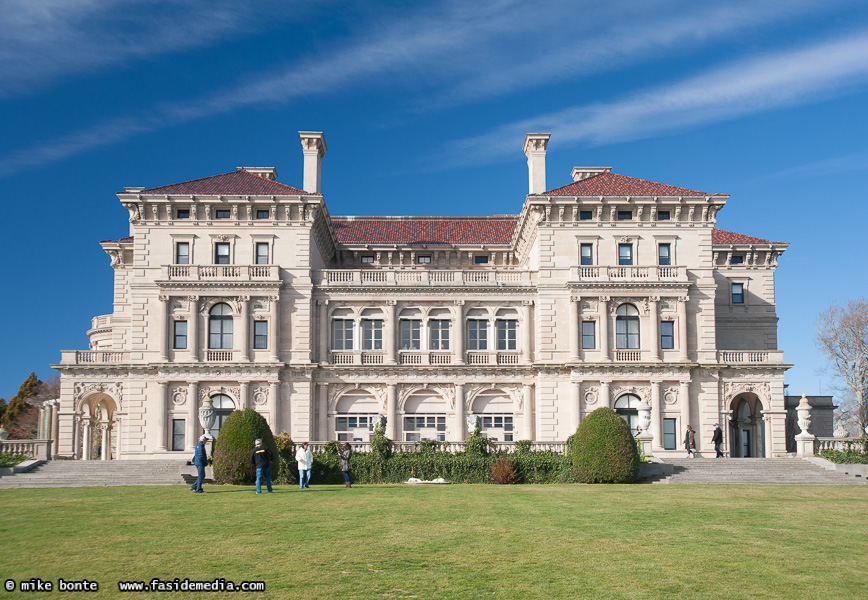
(81, 390)
(841, 433)
(670, 395)
(260, 395)
(591, 395)
(179, 396)
(732, 389)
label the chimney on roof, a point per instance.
(579, 173)
(313, 147)
(264, 172)
(535, 145)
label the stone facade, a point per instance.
(608, 291)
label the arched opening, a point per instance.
(223, 407)
(495, 412)
(220, 327)
(356, 413)
(627, 406)
(98, 441)
(425, 417)
(627, 327)
(746, 427)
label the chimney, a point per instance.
(313, 147)
(579, 173)
(264, 172)
(535, 145)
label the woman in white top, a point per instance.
(305, 461)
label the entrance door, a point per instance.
(745, 443)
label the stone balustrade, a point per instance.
(221, 272)
(450, 447)
(36, 449)
(424, 358)
(411, 277)
(629, 274)
(834, 443)
(628, 355)
(92, 357)
(750, 357)
(218, 355)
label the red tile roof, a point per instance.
(236, 183)
(424, 230)
(613, 184)
(721, 236)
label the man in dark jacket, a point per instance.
(717, 440)
(261, 458)
(200, 459)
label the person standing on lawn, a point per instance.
(304, 456)
(346, 453)
(717, 440)
(200, 460)
(261, 458)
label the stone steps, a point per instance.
(68, 473)
(755, 471)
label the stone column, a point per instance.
(605, 395)
(389, 333)
(54, 429)
(682, 329)
(654, 329)
(244, 329)
(684, 403)
(76, 436)
(160, 416)
(459, 332)
(117, 427)
(193, 329)
(85, 439)
(656, 416)
(604, 329)
(287, 404)
(528, 432)
(274, 317)
(163, 338)
(274, 400)
(244, 399)
(526, 332)
(392, 411)
(192, 415)
(575, 332)
(323, 331)
(576, 394)
(460, 434)
(106, 440)
(322, 417)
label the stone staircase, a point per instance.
(763, 471)
(80, 473)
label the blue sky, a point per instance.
(424, 109)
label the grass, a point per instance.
(460, 541)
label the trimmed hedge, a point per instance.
(232, 452)
(603, 450)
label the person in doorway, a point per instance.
(346, 453)
(717, 440)
(304, 456)
(261, 457)
(200, 460)
(690, 442)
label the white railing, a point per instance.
(507, 359)
(218, 272)
(92, 357)
(448, 447)
(477, 358)
(342, 358)
(628, 273)
(399, 277)
(36, 449)
(101, 321)
(833, 443)
(628, 355)
(750, 357)
(370, 358)
(410, 358)
(440, 358)
(218, 355)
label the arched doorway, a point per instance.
(98, 441)
(746, 427)
(627, 407)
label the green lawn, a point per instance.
(459, 541)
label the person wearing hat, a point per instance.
(717, 440)
(261, 457)
(200, 460)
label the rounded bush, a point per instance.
(603, 450)
(232, 452)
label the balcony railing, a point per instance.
(449, 447)
(423, 358)
(629, 274)
(750, 357)
(628, 355)
(92, 357)
(410, 277)
(221, 272)
(218, 355)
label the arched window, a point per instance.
(223, 407)
(627, 406)
(627, 327)
(220, 327)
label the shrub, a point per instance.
(232, 452)
(476, 445)
(522, 446)
(603, 450)
(287, 467)
(10, 459)
(503, 471)
(850, 456)
(381, 446)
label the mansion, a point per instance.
(607, 291)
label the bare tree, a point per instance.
(842, 336)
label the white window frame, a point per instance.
(347, 325)
(372, 334)
(508, 334)
(480, 327)
(411, 326)
(436, 334)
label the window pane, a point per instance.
(178, 435)
(667, 337)
(663, 215)
(180, 335)
(625, 215)
(587, 254)
(589, 341)
(182, 253)
(372, 334)
(625, 254)
(738, 293)
(183, 213)
(221, 254)
(585, 215)
(480, 260)
(222, 214)
(260, 335)
(663, 254)
(262, 213)
(261, 253)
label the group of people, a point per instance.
(261, 458)
(716, 439)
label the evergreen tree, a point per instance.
(18, 409)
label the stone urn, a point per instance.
(841, 433)
(4, 435)
(804, 412)
(207, 415)
(645, 414)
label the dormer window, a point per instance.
(480, 260)
(737, 259)
(262, 213)
(424, 260)
(625, 215)
(664, 215)
(367, 259)
(585, 215)
(182, 213)
(222, 213)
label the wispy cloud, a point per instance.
(450, 53)
(850, 163)
(791, 78)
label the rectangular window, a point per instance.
(367, 259)
(178, 426)
(221, 253)
(262, 213)
(261, 253)
(182, 213)
(587, 254)
(664, 254)
(372, 334)
(506, 334)
(663, 215)
(180, 337)
(625, 254)
(411, 334)
(738, 293)
(477, 334)
(589, 335)
(424, 427)
(736, 259)
(667, 335)
(343, 334)
(222, 213)
(480, 260)
(585, 215)
(625, 215)
(182, 253)
(669, 434)
(439, 338)
(424, 260)
(260, 335)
